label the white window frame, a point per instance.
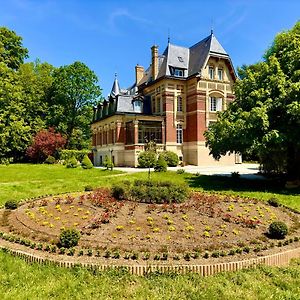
(179, 104)
(137, 106)
(220, 73)
(211, 72)
(178, 72)
(179, 134)
(215, 104)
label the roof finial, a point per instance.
(212, 26)
(116, 75)
(168, 35)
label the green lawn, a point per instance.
(19, 181)
(20, 280)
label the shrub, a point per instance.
(86, 163)
(120, 191)
(78, 154)
(45, 143)
(50, 160)
(62, 250)
(158, 191)
(278, 230)
(160, 165)
(71, 163)
(89, 252)
(69, 238)
(147, 159)
(71, 252)
(170, 157)
(11, 204)
(180, 171)
(108, 164)
(88, 188)
(273, 202)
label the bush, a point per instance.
(88, 188)
(278, 230)
(11, 204)
(273, 202)
(160, 165)
(78, 154)
(170, 157)
(108, 164)
(86, 163)
(71, 163)
(69, 238)
(50, 160)
(45, 143)
(120, 191)
(180, 171)
(147, 159)
(158, 191)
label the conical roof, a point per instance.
(115, 91)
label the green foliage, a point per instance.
(50, 160)
(278, 230)
(12, 52)
(170, 157)
(11, 204)
(108, 164)
(156, 191)
(274, 202)
(160, 165)
(69, 238)
(121, 190)
(72, 163)
(78, 154)
(147, 159)
(86, 163)
(73, 95)
(180, 171)
(265, 117)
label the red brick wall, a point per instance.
(168, 98)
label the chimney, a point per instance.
(139, 73)
(154, 66)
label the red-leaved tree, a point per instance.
(45, 143)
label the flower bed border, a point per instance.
(277, 259)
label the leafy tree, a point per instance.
(265, 117)
(45, 143)
(15, 131)
(74, 93)
(12, 52)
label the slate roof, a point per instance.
(190, 59)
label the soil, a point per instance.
(204, 222)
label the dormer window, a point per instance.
(178, 73)
(137, 106)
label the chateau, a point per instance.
(171, 102)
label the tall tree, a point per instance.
(12, 52)
(74, 93)
(265, 117)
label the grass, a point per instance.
(20, 181)
(20, 280)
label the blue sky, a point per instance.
(113, 36)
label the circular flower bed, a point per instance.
(204, 226)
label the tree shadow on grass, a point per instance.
(223, 183)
